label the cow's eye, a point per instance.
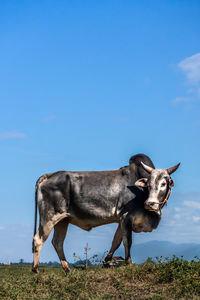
(163, 184)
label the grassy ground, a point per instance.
(172, 279)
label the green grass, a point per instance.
(169, 279)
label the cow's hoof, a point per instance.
(67, 270)
(129, 261)
(35, 270)
(106, 265)
(65, 266)
(107, 261)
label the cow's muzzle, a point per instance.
(152, 205)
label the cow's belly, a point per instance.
(91, 223)
(87, 215)
(143, 222)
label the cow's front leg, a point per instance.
(127, 239)
(115, 244)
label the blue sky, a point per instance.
(83, 86)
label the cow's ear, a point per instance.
(141, 182)
(171, 182)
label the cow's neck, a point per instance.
(132, 173)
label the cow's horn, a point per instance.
(173, 169)
(147, 168)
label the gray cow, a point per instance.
(131, 196)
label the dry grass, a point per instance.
(169, 280)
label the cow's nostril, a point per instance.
(151, 205)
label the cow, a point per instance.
(131, 196)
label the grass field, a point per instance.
(171, 279)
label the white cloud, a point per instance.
(12, 135)
(177, 209)
(192, 204)
(182, 99)
(177, 216)
(196, 219)
(191, 67)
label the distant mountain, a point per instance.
(141, 252)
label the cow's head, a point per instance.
(159, 186)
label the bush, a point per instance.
(185, 274)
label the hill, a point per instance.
(153, 249)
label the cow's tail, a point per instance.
(37, 191)
(35, 222)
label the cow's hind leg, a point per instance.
(38, 241)
(115, 245)
(60, 230)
